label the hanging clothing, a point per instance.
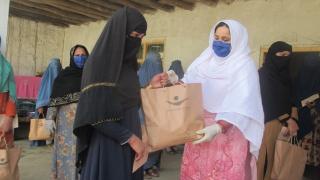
(276, 88)
(110, 92)
(177, 68)
(47, 80)
(230, 85)
(67, 85)
(27, 87)
(62, 110)
(150, 67)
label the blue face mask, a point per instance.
(79, 61)
(222, 49)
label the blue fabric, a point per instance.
(151, 66)
(80, 61)
(221, 49)
(48, 78)
(177, 68)
(154, 159)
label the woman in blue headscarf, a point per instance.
(177, 68)
(45, 90)
(151, 66)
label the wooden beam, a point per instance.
(39, 12)
(55, 11)
(106, 4)
(228, 1)
(37, 18)
(135, 5)
(155, 5)
(71, 7)
(93, 6)
(178, 3)
(209, 2)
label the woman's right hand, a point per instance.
(159, 80)
(40, 110)
(138, 146)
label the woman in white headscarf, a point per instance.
(233, 109)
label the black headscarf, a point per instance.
(275, 82)
(100, 101)
(66, 87)
(307, 84)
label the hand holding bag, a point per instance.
(289, 159)
(9, 158)
(39, 130)
(172, 114)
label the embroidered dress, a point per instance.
(226, 157)
(64, 149)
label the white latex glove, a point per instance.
(209, 132)
(173, 77)
(50, 125)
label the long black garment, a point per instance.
(307, 84)
(275, 84)
(110, 90)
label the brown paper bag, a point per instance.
(289, 160)
(9, 158)
(38, 131)
(172, 114)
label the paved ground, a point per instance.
(35, 163)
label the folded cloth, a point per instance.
(27, 86)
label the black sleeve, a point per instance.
(115, 131)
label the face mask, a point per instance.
(221, 49)
(132, 48)
(282, 62)
(79, 61)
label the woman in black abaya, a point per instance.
(107, 122)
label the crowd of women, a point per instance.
(95, 104)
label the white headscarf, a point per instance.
(231, 84)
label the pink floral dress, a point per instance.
(226, 157)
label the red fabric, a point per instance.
(27, 87)
(7, 106)
(224, 125)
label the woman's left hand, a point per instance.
(208, 133)
(292, 127)
(159, 80)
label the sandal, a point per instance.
(146, 175)
(153, 172)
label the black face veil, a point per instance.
(99, 102)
